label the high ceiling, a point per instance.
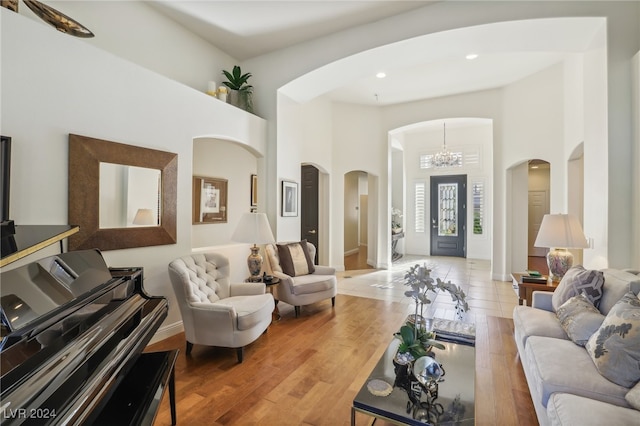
(437, 65)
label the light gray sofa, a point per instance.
(565, 385)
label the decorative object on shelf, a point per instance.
(446, 158)
(254, 190)
(396, 223)
(222, 93)
(240, 92)
(289, 198)
(254, 228)
(10, 4)
(560, 232)
(59, 21)
(212, 89)
(209, 200)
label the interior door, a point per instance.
(309, 197)
(448, 215)
(364, 220)
(538, 207)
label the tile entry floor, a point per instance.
(485, 296)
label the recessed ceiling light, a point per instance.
(472, 56)
(381, 75)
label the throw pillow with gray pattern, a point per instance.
(578, 280)
(579, 318)
(615, 347)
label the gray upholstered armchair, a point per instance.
(312, 284)
(214, 311)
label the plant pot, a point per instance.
(242, 99)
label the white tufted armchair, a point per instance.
(321, 284)
(214, 311)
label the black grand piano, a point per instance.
(73, 334)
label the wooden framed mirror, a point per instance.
(89, 179)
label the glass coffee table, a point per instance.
(453, 402)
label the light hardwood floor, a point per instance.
(306, 370)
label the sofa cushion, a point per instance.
(615, 347)
(633, 396)
(251, 309)
(617, 283)
(308, 284)
(530, 321)
(295, 259)
(561, 366)
(579, 318)
(578, 280)
(564, 409)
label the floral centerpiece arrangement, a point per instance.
(415, 339)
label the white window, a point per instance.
(478, 207)
(420, 206)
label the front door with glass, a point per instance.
(448, 215)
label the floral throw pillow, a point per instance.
(579, 318)
(615, 347)
(578, 280)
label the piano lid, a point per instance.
(34, 290)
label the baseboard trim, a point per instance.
(350, 252)
(167, 331)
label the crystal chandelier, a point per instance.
(446, 158)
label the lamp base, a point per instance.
(559, 262)
(254, 262)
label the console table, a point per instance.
(394, 243)
(526, 289)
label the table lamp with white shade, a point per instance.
(560, 232)
(254, 228)
(144, 217)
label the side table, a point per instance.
(526, 289)
(270, 286)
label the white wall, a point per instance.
(599, 176)
(360, 143)
(137, 32)
(49, 89)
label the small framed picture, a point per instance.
(289, 198)
(254, 190)
(209, 200)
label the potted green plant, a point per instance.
(415, 341)
(240, 91)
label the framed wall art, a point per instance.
(209, 200)
(254, 190)
(289, 198)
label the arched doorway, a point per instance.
(356, 221)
